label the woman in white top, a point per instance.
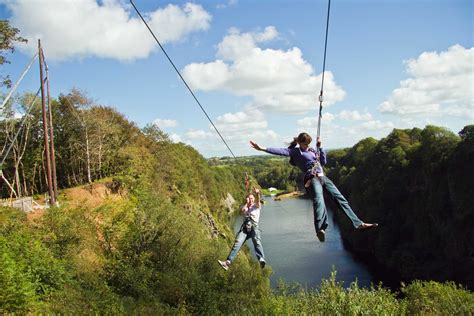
(249, 229)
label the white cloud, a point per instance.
(110, 29)
(197, 134)
(377, 125)
(441, 84)
(276, 80)
(243, 122)
(354, 116)
(237, 129)
(345, 128)
(229, 3)
(309, 122)
(164, 123)
(175, 138)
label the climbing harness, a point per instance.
(247, 226)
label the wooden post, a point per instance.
(45, 129)
(51, 133)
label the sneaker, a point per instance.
(321, 234)
(262, 263)
(224, 264)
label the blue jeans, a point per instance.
(319, 207)
(242, 237)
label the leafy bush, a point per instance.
(29, 272)
(433, 298)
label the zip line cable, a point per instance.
(324, 68)
(20, 128)
(184, 81)
(19, 80)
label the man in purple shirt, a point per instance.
(311, 161)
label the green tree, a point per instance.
(8, 37)
(155, 133)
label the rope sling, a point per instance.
(324, 69)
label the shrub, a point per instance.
(433, 298)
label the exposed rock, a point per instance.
(229, 202)
(210, 223)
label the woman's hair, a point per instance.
(303, 138)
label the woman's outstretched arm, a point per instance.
(273, 151)
(256, 146)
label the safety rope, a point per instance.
(184, 81)
(324, 69)
(246, 184)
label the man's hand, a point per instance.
(318, 142)
(257, 197)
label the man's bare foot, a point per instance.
(365, 226)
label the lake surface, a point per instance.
(295, 254)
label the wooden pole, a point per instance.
(45, 129)
(51, 133)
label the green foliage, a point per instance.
(332, 299)
(166, 254)
(8, 37)
(432, 298)
(29, 272)
(467, 132)
(417, 184)
(153, 132)
(267, 171)
(17, 285)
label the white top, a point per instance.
(253, 212)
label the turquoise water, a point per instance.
(295, 254)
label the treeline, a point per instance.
(419, 185)
(91, 142)
(268, 171)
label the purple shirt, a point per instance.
(304, 160)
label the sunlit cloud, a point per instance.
(276, 80)
(440, 85)
(313, 121)
(243, 121)
(108, 29)
(165, 123)
(198, 134)
(227, 4)
(175, 138)
(354, 116)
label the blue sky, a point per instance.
(256, 66)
